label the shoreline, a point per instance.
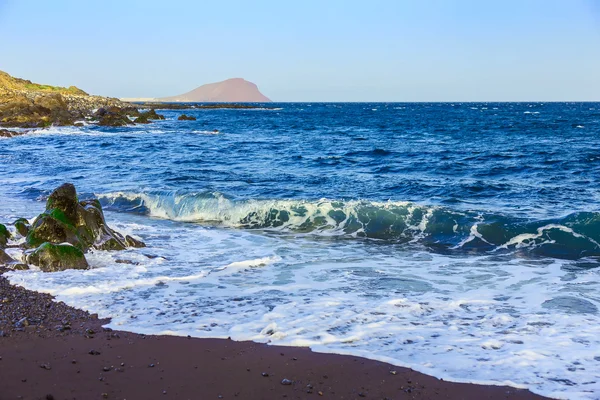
(63, 352)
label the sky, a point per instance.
(311, 50)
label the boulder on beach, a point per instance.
(81, 224)
(57, 257)
(59, 237)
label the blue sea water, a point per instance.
(462, 240)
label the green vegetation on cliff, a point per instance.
(10, 84)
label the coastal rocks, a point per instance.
(57, 257)
(5, 258)
(27, 104)
(113, 116)
(22, 226)
(8, 261)
(59, 237)
(4, 236)
(146, 117)
(36, 111)
(184, 117)
(7, 134)
(81, 224)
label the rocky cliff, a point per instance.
(236, 90)
(24, 104)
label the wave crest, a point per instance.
(442, 229)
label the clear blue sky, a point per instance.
(321, 50)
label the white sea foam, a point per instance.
(485, 319)
(206, 132)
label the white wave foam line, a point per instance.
(473, 234)
(217, 208)
(206, 132)
(528, 239)
(484, 319)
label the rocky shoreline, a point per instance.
(58, 238)
(53, 351)
(24, 104)
(49, 350)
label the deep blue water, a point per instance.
(462, 240)
(510, 168)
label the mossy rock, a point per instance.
(64, 200)
(80, 223)
(46, 228)
(4, 235)
(57, 257)
(22, 226)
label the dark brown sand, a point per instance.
(64, 353)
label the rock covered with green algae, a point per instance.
(79, 223)
(22, 226)
(60, 236)
(4, 236)
(50, 257)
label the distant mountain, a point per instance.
(236, 90)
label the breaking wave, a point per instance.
(441, 229)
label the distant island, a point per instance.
(235, 90)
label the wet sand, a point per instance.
(60, 352)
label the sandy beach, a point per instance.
(60, 352)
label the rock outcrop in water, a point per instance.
(59, 237)
(184, 117)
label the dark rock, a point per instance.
(8, 261)
(142, 119)
(22, 226)
(47, 228)
(4, 236)
(151, 114)
(114, 116)
(146, 117)
(81, 224)
(5, 133)
(132, 242)
(5, 258)
(57, 257)
(184, 117)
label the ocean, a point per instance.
(461, 240)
